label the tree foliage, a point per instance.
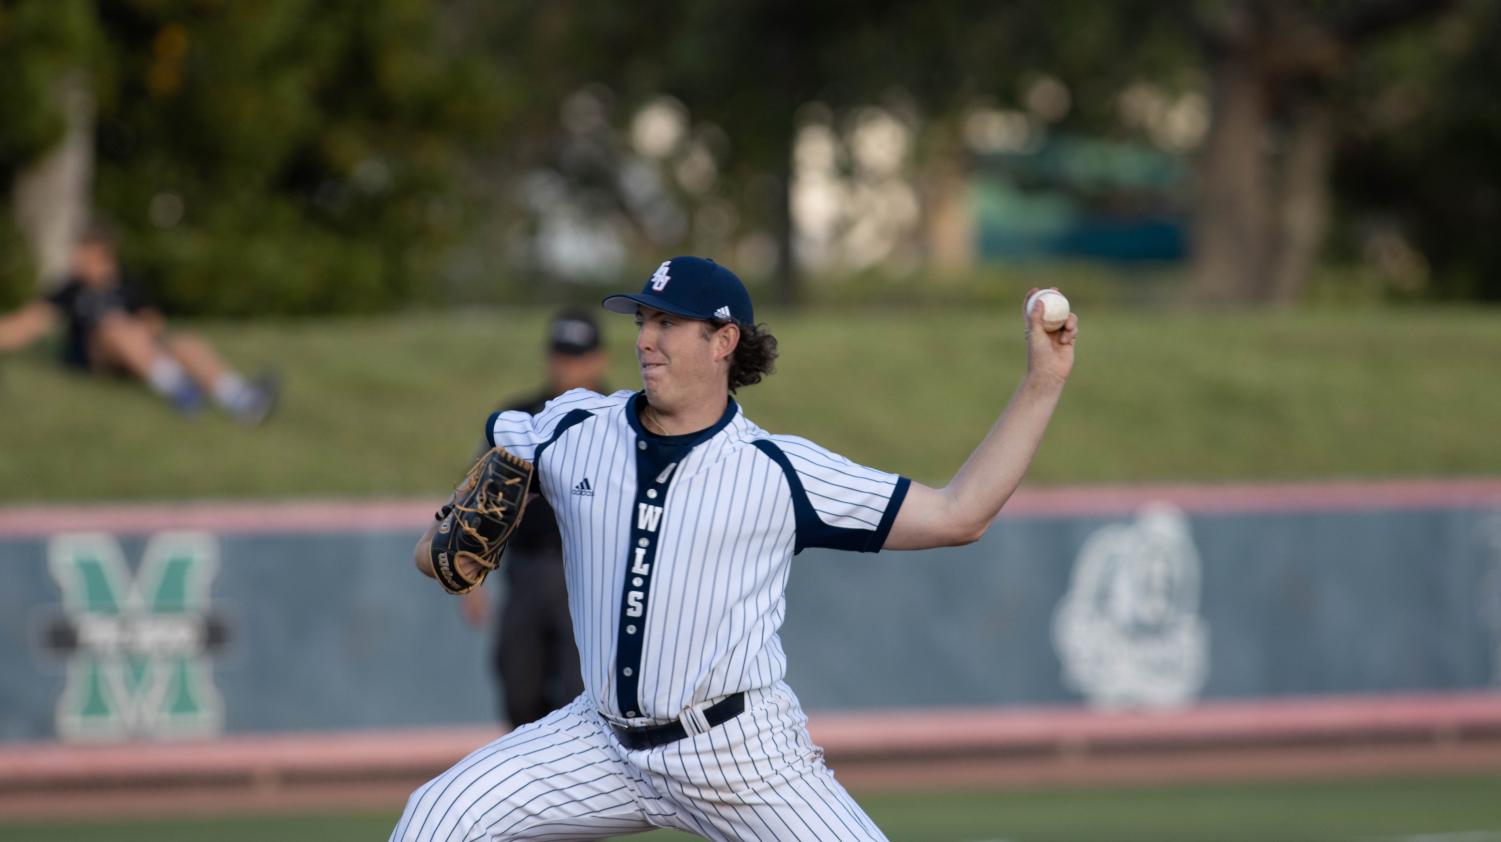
(301, 157)
(1418, 176)
(291, 157)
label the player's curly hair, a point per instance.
(755, 356)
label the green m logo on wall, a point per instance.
(137, 642)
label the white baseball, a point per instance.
(1054, 308)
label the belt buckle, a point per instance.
(646, 737)
(693, 719)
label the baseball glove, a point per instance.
(478, 521)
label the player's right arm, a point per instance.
(961, 511)
(26, 325)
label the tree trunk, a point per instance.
(1303, 212)
(1233, 221)
(789, 288)
(51, 196)
(949, 228)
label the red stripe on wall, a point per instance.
(1240, 722)
(1281, 497)
(243, 518)
(845, 735)
(287, 517)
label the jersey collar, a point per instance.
(633, 417)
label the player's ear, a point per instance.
(726, 338)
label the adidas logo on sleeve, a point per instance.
(584, 489)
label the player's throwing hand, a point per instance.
(1049, 353)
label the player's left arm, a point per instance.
(961, 511)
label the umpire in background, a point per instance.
(535, 659)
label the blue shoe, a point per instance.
(187, 399)
(260, 401)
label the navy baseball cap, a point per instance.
(573, 333)
(694, 287)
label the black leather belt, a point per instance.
(651, 736)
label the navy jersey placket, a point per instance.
(656, 465)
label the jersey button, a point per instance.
(630, 713)
(636, 582)
(643, 543)
(627, 672)
(651, 494)
(630, 629)
(640, 445)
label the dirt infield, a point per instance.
(907, 750)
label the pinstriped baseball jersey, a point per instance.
(677, 548)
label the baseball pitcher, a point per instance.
(680, 518)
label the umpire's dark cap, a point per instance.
(573, 333)
(695, 287)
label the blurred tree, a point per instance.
(1277, 68)
(748, 68)
(49, 53)
(292, 157)
(308, 157)
(1417, 174)
(742, 66)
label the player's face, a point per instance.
(94, 264)
(576, 371)
(679, 359)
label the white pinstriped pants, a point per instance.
(755, 777)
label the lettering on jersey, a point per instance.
(666, 473)
(641, 567)
(633, 607)
(648, 516)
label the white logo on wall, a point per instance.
(1490, 589)
(1128, 631)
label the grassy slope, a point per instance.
(1328, 810)
(392, 406)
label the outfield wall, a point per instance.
(175, 622)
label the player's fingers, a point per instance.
(1027, 299)
(1070, 330)
(1034, 317)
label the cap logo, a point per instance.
(723, 313)
(660, 278)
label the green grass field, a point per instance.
(1433, 810)
(393, 405)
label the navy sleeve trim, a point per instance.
(813, 532)
(898, 496)
(569, 420)
(490, 428)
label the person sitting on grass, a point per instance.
(112, 329)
